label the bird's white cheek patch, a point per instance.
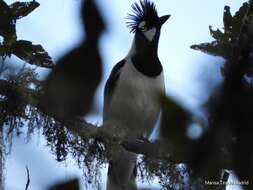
(142, 24)
(150, 34)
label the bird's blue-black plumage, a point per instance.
(111, 83)
(144, 11)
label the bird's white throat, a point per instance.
(150, 34)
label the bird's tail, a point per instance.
(122, 171)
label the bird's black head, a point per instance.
(145, 23)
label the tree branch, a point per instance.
(105, 134)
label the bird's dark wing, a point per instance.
(110, 85)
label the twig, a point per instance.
(224, 179)
(28, 178)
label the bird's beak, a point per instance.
(163, 19)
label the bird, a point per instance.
(70, 87)
(132, 92)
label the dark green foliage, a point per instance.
(224, 40)
(13, 104)
(68, 185)
(7, 22)
(16, 92)
(21, 9)
(90, 154)
(30, 53)
(25, 50)
(93, 22)
(70, 87)
(229, 109)
(21, 91)
(175, 115)
(214, 48)
(170, 175)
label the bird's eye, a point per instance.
(142, 26)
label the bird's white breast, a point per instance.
(135, 101)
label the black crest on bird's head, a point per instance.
(144, 11)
